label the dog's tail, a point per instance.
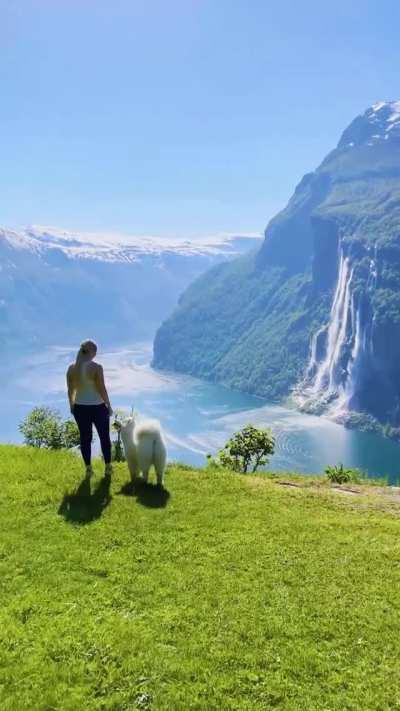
(147, 428)
(150, 447)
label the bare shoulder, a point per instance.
(71, 368)
(96, 368)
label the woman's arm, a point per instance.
(71, 388)
(101, 387)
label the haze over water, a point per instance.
(197, 417)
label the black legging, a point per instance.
(86, 416)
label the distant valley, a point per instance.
(59, 286)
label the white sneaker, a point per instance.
(89, 471)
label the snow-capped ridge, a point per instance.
(118, 247)
(391, 109)
(379, 123)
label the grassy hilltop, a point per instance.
(232, 592)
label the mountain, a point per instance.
(316, 312)
(57, 285)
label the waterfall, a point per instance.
(362, 350)
(328, 375)
(355, 358)
(373, 269)
(313, 362)
(332, 380)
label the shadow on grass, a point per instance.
(150, 495)
(81, 506)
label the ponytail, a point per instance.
(87, 350)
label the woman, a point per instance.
(90, 404)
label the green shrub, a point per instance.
(44, 427)
(249, 448)
(70, 434)
(117, 450)
(338, 474)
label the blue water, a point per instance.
(197, 417)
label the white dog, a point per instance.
(143, 446)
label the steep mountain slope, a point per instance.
(57, 285)
(317, 309)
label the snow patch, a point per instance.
(118, 247)
(384, 116)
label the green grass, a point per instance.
(232, 593)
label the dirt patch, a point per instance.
(345, 490)
(289, 483)
(385, 498)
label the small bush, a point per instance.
(117, 450)
(44, 427)
(249, 448)
(338, 474)
(70, 434)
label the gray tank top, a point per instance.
(87, 393)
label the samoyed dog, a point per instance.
(144, 446)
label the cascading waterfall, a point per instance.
(313, 362)
(362, 350)
(328, 375)
(354, 361)
(332, 380)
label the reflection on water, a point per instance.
(197, 417)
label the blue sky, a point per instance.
(179, 117)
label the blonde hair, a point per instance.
(87, 351)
